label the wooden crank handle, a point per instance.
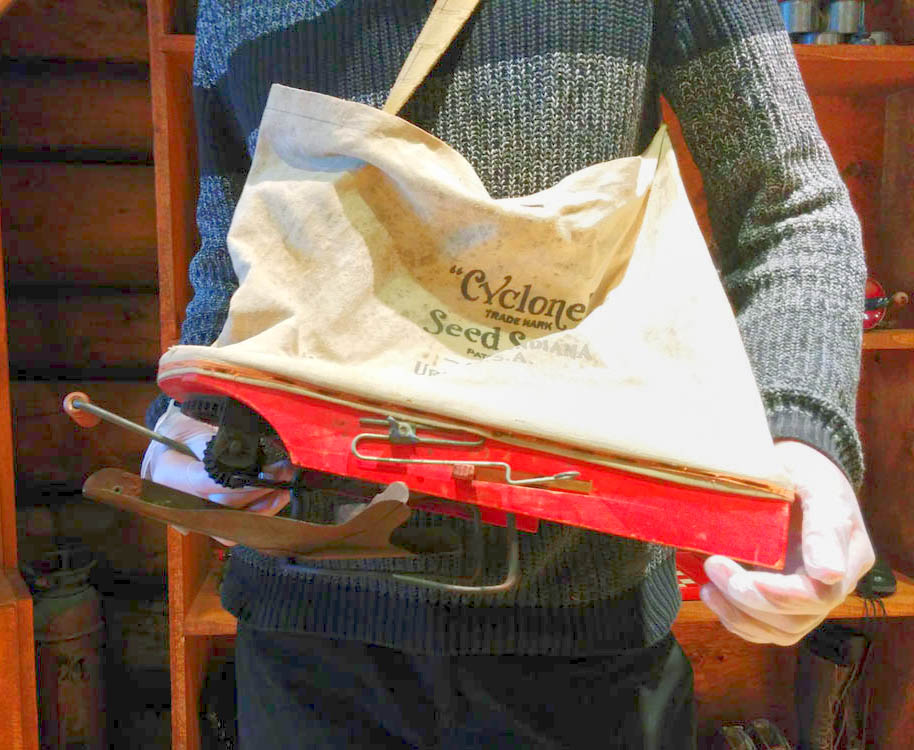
(73, 404)
(366, 535)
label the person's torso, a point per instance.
(531, 90)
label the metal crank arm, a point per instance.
(373, 533)
(81, 410)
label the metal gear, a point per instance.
(227, 476)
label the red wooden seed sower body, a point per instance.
(318, 435)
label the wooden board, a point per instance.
(176, 186)
(736, 681)
(77, 107)
(206, 615)
(19, 728)
(904, 17)
(893, 689)
(10, 679)
(889, 338)
(886, 404)
(189, 558)
(896, 16)
(75, 223)
(163, 15)
(50, 448)
(82, 328)
(893, 266)
(75, 29)
(886, 421)
(8, 558)
(857, 152)
(855, 69)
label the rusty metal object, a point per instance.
(732, 737)
(69, 638)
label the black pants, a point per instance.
(297, 691)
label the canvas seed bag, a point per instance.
(372, 262)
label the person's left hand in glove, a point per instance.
(825, 559)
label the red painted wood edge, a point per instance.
(318, 435)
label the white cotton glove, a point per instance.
(825, 559)
(171, 468)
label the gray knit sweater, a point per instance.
(531, 91)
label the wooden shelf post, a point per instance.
(18, 701)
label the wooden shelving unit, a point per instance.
(855, 70)
(5, 5)
(206, 616)
(18, 707)
(734, 680)
(900, 604)
(889, 338)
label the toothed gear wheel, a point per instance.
(204, 408)
(209, 409)
(225, 475)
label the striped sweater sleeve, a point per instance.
(223, 163)
(787, 239)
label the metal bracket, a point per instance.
(401, 432)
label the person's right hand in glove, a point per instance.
(828, 551)
(171, 468)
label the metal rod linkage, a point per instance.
(402, 432)
(80, 402)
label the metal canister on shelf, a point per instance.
(846, 17)
(881, 37)
(819, 37)
(800, 16)
(69, 640)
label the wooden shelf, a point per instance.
(889, 338)
(855, 69)
(827, 69)
(900, 604)
(206, 616)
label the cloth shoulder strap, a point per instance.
(443, 24)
